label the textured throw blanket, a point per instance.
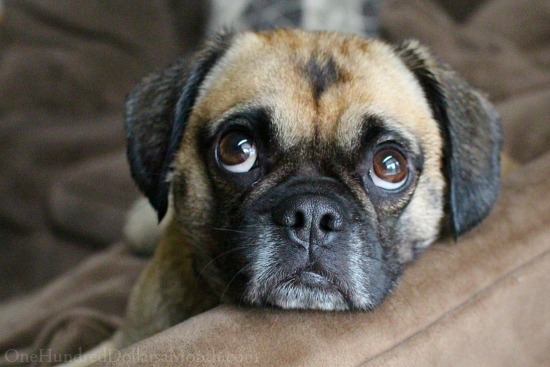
(65, 67)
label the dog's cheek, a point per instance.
(192, 196)
(266, 257)
(420, 223)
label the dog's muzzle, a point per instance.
(314, 248)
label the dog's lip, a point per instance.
(310, 279)
(309, 276)
(307, 289)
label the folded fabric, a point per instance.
(79, 207)
(74, 312)
(65, 68)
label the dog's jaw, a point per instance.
(307, 291)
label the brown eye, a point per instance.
(236, 152)
(389, 169)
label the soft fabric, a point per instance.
(74, 312)
(481, 48)
(65, 67)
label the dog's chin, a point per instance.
(307, 291)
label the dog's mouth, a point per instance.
(307, 290)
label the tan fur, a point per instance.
(375, 81)
(148, 310)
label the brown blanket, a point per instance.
(65, 67)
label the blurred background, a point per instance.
(66, 66)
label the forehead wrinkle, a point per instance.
(269, 75)
(243, 74)
(270, 69)
(380, 86)
(322, 72)
(240, 108)
(404, 131)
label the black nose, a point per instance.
(311, 220)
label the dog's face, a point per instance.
(308, 168)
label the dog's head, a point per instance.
(308, 167)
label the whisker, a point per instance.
(227, 230)
(232, 279)
(214, 259)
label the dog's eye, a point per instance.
(236, 152)
(389, 169)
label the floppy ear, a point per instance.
(472, 134)
(157, 111)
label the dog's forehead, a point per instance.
(316, 84)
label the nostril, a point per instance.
(299, 220)
(326, 222)
(329, 222)
(309, 218)
(290, 218)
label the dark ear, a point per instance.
(472, 133)
(157, 111)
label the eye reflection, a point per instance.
(389, 169)
(236, 152)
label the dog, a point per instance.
(303, 170)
